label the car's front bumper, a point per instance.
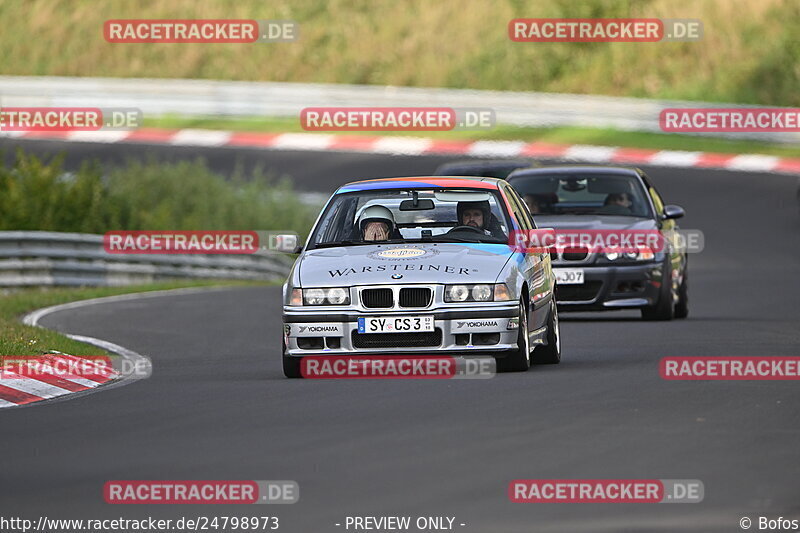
(465, 330)
(610, 287)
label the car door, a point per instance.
(668, 228)
(535, 266)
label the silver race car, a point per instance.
(421, 266)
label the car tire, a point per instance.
(664, 308)
(682, 307)
(291, 365)
(518, 360)
(550, 354)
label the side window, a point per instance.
(518, 208)
(657, 201)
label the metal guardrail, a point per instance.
(156, 97)
(37, 258)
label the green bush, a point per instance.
(149, 195)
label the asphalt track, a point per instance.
(217, 406)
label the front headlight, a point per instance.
(482, 292)
(456, 293)
(640, 254)
(337, 296)
(329, 296)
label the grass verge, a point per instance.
(19, 339)
(560, 135)
(748, 52)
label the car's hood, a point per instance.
(594, 222)
(413, 263)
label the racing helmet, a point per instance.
(376, 213)
(482, 205)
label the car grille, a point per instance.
(377, 298)
(397, 340)
(578, 293)
(415, 297)
(575, 254)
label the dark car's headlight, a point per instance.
(641, 254)
(322, 296)
(480, 292)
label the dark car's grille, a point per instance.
(578, 293)
(397, 340)
(575, 254)
(415, 297)
(377, 298)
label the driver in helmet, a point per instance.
(377, 224)
(479, 216)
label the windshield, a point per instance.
(412, 215)
(576, 194)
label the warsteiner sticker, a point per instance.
(403, 252)
(447, 269)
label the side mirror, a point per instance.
(673, 212)
(288, 243)
(536, 241)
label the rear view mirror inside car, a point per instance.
(416, 205)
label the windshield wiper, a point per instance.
(339, 243)
(355, 243)
(477, 239)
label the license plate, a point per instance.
(394, 324)
(569, 276)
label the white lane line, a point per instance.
(752, 162)
(302, 141)
(401, 145)
(585, 152)
(99, 136)
(675, 158)
(190, 137)
(496, 148)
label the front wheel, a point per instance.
(682, 307)
(518, 360)
(550, 354)
(664, 308)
